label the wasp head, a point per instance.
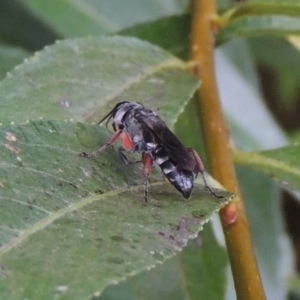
(121, 109)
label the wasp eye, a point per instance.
(121, 126)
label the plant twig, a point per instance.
(234, 221)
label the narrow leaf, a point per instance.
(270, 7)
(88, 17)
(257, 18)
(282, 164)
(259, 26)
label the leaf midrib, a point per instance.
(253, 158)
(60, 213)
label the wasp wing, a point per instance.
(172, 146)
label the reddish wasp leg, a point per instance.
(200, 169)
(111, 140)
(147, 167)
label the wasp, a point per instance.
(142, 130)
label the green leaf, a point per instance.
(9, 58)
(71, 225)
(80, 18)
(258, 18)
(270, 7)
(282, 164)
(204, 265)
(170, 33)
(161, 282)
(21, 28)
(294, 287)
(199, 269)
(259, 26)
(84, 78)
(73, 18)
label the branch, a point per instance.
(216, 137)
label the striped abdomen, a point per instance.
(182, 179)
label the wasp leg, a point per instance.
(147, 167)
(124, 158)
(200, 169)
(111, 140)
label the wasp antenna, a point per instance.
(108, 120)
(109, 115)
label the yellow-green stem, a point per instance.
(235, 225)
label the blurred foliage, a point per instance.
(258, 74)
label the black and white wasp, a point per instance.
(142, 130)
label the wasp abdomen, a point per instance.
(182, 179)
